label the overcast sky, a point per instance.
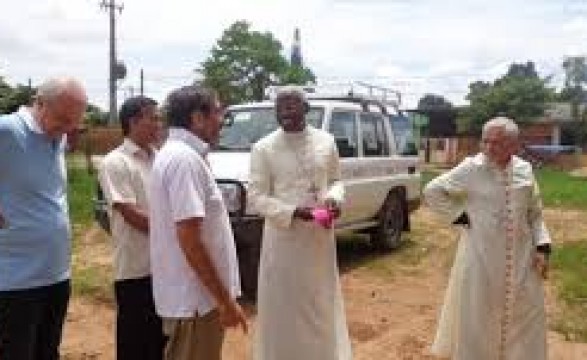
(415, 46)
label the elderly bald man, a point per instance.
(34, 223)
(494, 304)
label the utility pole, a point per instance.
(142, 87)
(114, 72)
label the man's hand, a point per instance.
(540, 263)
(303, 213)
(333, 207)
(232, 315)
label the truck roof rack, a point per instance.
(356, 92)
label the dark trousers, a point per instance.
(139, 330)
(31, 322)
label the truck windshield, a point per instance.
(247, 126)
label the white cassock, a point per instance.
(300, 308)
(494, 303)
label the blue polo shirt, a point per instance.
(35, 243)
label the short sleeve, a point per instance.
(187, 185)
(114, 177)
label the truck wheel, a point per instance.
(387, 234)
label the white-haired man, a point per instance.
(293, 170)
(34, 224)
(494, 304)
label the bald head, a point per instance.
(290, 108)
(59, 106)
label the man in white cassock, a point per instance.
(300, 307)
(494, 303)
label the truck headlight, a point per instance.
(234, 195)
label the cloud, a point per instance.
(416, 46)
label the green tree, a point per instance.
(244, 62)
(13, 98)
(575, 68)
(520, 94)
(95, 116)
(434, 102)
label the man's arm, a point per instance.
(540, 234)
(269, 206)
(538, 228)
(133, 216)
(189, 234)
(446, 194)
(115, 180)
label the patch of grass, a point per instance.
(428, 175)
(92, 282)
(569, 263)
(355, 252)
(559, 189)
(81, 187)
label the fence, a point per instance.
(99, 141)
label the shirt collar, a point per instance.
(482, 159)
(132, 148)
(190, 139)
(25, 114)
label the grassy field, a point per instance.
(560, 190)
(88, 280)
(569, 264)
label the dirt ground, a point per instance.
(392, 300)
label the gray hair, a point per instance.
(293, 91)
(508, 125)
(52, 89)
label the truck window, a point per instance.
(344, 129)
(374, 139)
(403, 133)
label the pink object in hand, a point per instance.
(323, 217)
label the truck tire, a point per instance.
(248, 238)
(248, 258)
(387, 235)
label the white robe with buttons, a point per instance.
(494, 303)
(300, 307)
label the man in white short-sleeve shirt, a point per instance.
(124, 177)
(194, 263)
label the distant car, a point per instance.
(553, 149)
(540, 155)
(379, 164)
